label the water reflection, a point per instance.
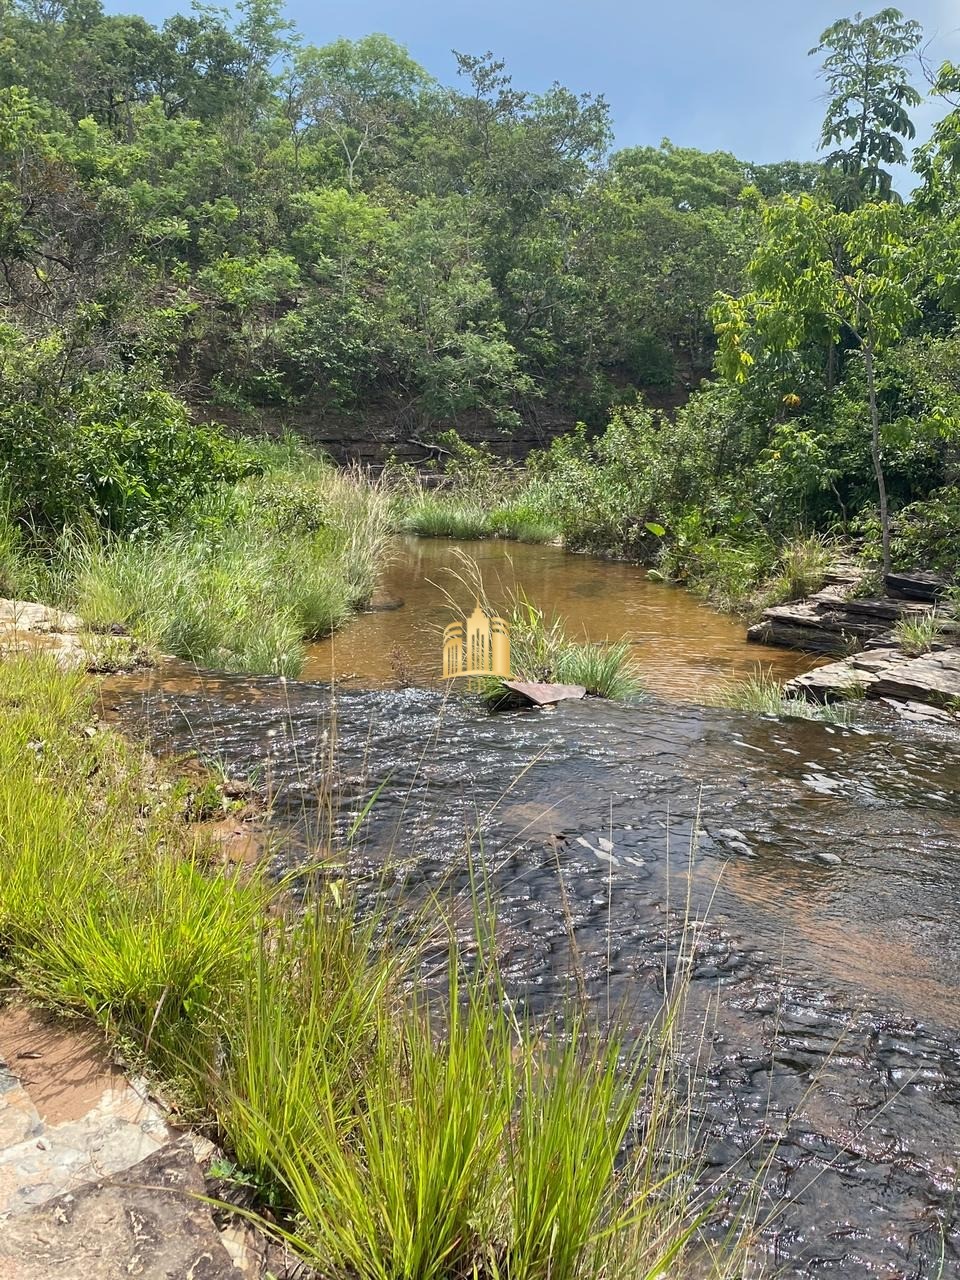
(683, 648)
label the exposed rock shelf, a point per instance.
(28, 627)
(94, 1184)
(887, 672)
(829, 623)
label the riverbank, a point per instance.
(426, 1144)
(240, 578)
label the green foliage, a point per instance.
(801, 569)
(542, 651)
(104, 447)
(260, 569)
(869, 96)
(925, 535)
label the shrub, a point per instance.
(102, 446)
(238, 589)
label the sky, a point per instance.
(729, 75)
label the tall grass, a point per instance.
(249, 577)
(542, 650)
(763, 694)
(393, 1135)
(801, 569)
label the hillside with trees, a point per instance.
(212, 221)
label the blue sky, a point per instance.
(733, 75)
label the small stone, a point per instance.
(831, 859)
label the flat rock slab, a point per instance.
(147, 1222)
(26, 615)
(931, 679)
(67, 1115)
(829, 623)
(918, 585)
(545, 695)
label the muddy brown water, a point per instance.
(681, 647)
(822, 860)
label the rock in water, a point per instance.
(545, 695)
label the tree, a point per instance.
(851, 272)
(869, 94)
(687, 178)
(356, 91)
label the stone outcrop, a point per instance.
(28, 627)
(147, 1221)
(860, 629)
(830, 623)
(918, 585)
(887, 672)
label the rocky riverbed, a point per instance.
(815, 863)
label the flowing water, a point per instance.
(823, 861)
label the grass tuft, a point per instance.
(763, 694)
(917, 636)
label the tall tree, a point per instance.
(852, 272)
(869, 94)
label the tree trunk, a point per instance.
(875, 451)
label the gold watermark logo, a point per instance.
(478, 647)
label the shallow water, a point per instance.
(822, 860)
(682, 648)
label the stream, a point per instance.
(820, 862)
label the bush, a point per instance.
(925, 534)
(102, 446)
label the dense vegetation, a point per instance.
(211, 219)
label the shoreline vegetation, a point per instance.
(381, 1135)
(736, 368)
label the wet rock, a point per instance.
(831, 859)
(147, 1221)
(545, 695)
(932, 679)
